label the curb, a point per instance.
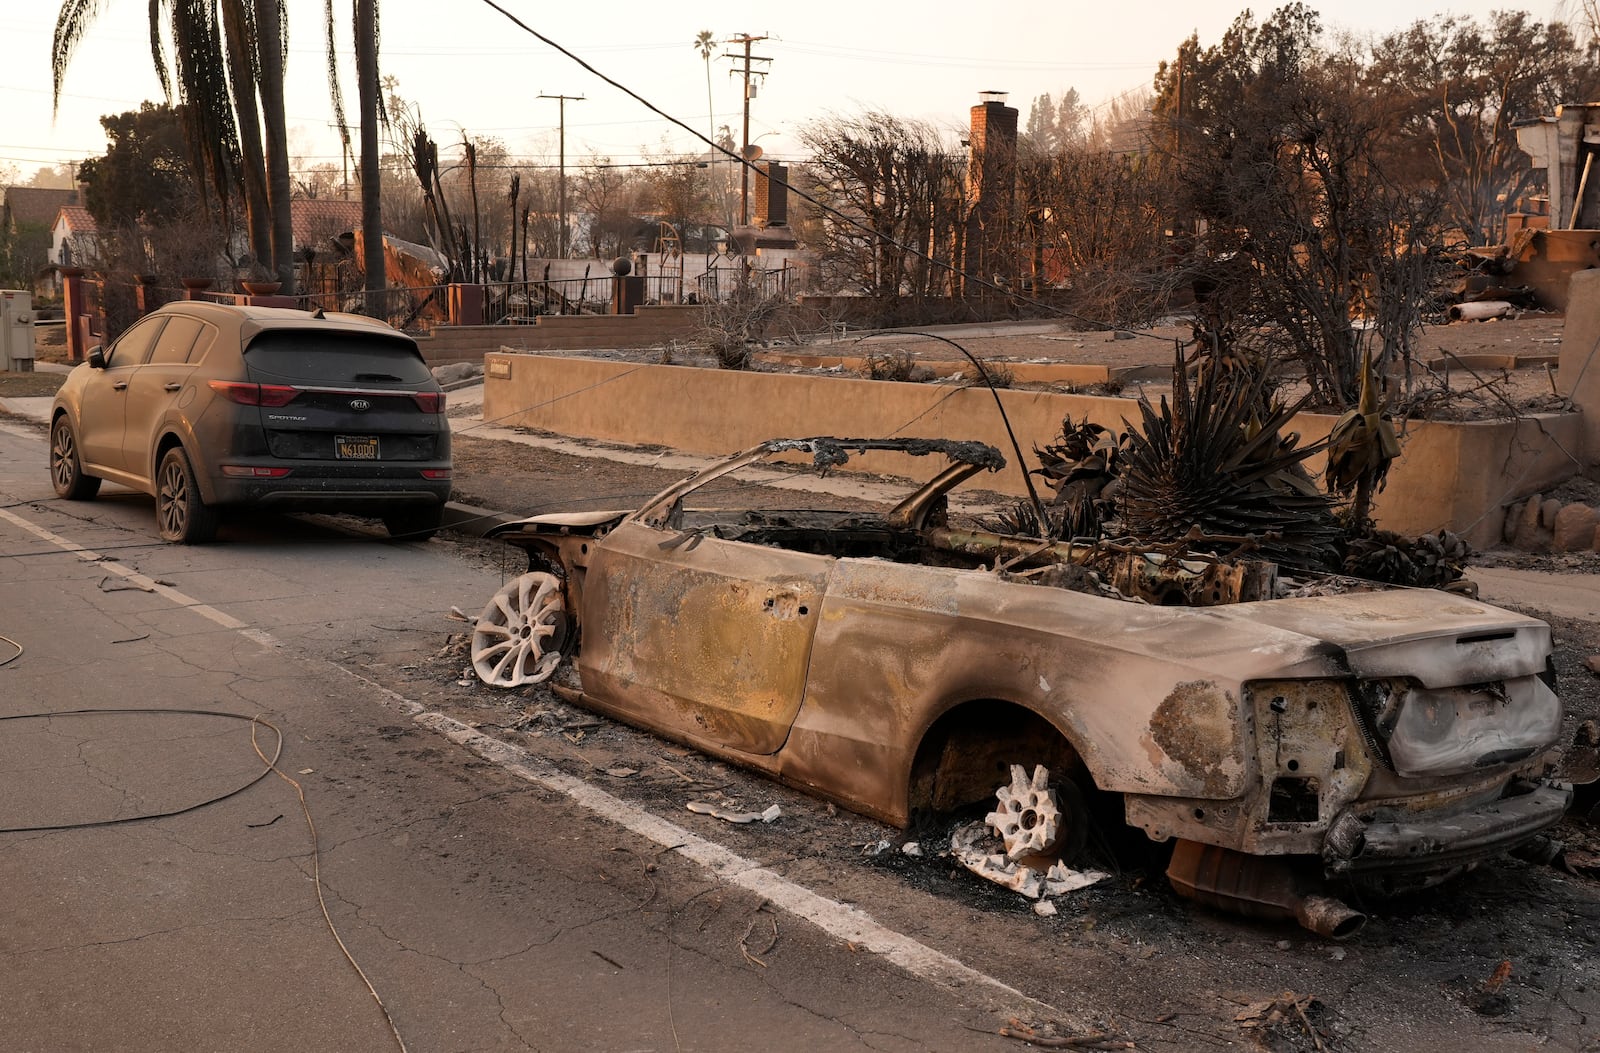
(472, 520)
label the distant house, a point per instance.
(74, 238)
(27, 215)
(316, 220)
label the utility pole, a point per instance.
(561, 178)
(749, 93)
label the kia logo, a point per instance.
(360, 405)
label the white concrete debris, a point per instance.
(1045, 908)
(731, 816)
(975, 848)
(911, 848)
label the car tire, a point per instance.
(414, 524)
(66, 470)
(182, 516)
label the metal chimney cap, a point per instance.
(993, 96)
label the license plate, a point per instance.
(355, 447)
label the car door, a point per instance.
(102, 414)
(701, 636)
(153, 388)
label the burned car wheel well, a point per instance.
(969, 751)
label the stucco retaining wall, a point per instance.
(1456, 475)
(646, 327)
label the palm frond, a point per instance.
(73, 22)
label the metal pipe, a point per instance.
(1258, 887)
(1577, 201)
(1479, 310)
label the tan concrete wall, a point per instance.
(647, 327)
(1579, 372)
(1459, 476)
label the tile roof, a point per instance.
(79, 221)
(318, 218)
(38, 205)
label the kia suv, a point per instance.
(212, 407)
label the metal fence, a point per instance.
(117, 303)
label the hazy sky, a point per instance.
(472, 69)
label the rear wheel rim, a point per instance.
(64, 457)
(173, 498)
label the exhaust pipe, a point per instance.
(1258, 887)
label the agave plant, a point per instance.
(1432, 561)
(1082, 470)
(1214, 460)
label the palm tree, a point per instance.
(227, 55)
(706, 43)
(271, 47)
(369, 102)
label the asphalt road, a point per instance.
(508, 891)
(487, 910)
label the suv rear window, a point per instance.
(335, 358)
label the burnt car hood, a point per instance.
(1437, 638)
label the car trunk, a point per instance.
(357, 398)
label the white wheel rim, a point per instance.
(517, 639)
(1028, 817)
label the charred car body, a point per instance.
(1286, 733)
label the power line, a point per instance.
(840, 217)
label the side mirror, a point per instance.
(97, 357)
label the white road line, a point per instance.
(832, 917)
(143, 581)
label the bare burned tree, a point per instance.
(900, 182)
(1310, 252)
(1091, 218)
(1467, 85)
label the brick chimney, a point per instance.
(991, 168)
(772, 195)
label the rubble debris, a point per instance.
(1479, 310)
(1488, 998)
(728, 815)
(873, 849)
(911, 848)
(975, 848)
(1098, 1040)
(1581, 767)
(1045, 908)
(1289, 1016)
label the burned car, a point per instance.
(1282, 733)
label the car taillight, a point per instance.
(429, 401)
(255, 394)
(436, 473)
(246, 471)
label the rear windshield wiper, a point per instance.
(378, 376)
